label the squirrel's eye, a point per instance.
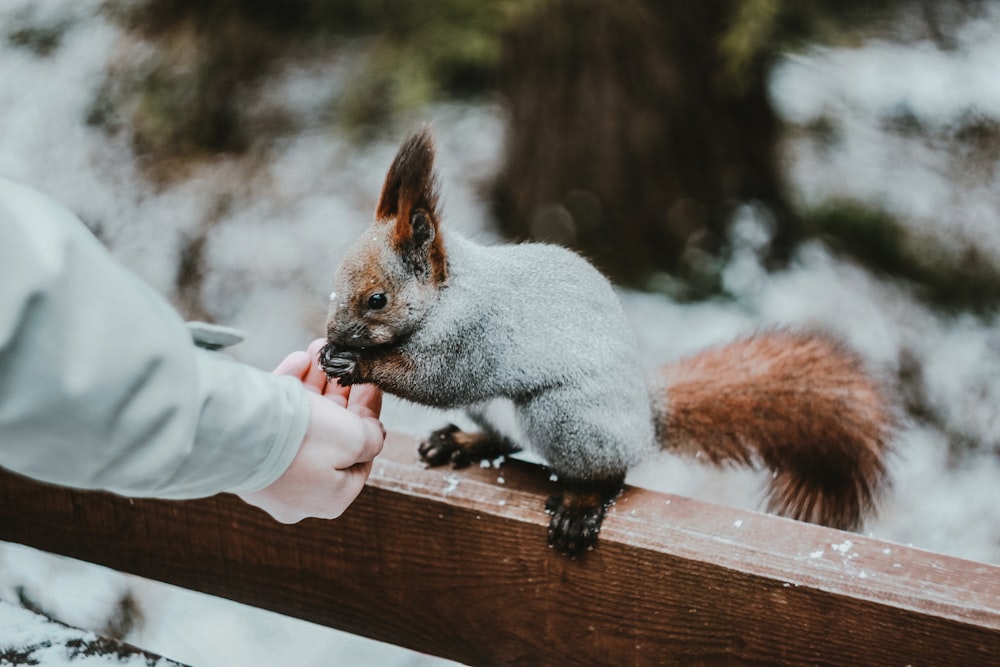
(378, 300)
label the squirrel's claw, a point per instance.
(573, 529)
(440, 447)
(339, 364)
(578, 512)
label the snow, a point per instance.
(188, 627)
(43, 642)
(277, 230)
(884, 77)
(843, 547)
(859, 89)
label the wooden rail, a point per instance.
(454, 563)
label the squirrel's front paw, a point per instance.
(340, 364)
(441, 447)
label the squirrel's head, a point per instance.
(392, 275)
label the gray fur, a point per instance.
(536, 324)
(559, 347)
(440, 320)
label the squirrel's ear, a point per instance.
(411, 182)
(409, 201)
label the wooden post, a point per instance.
(454, 563)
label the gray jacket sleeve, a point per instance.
(101, 386)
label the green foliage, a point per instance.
(418, 52)
(186, 99)
(42, 40)
(877, 240)
(39, 37)
(759, 30)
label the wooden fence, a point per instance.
(454, 563)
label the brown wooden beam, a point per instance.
(454, 563)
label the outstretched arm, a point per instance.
(101, 387)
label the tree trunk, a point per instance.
(627, 140)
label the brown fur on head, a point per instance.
(409, 201)
(392, 274)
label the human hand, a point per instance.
(335, 458)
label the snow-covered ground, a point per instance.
(32, 639)
(279, 226)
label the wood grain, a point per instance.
(454, 563)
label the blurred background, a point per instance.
(731, 165)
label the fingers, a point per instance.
(363, 441)
(311, 488)
(346, 438)
(374, 439)
(365, 400)
(363, 470)
(296, 364)
(317, 379)
(315, 346)
(337, 394)
(314, 378)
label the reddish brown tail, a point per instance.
(801, 405)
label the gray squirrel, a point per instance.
(440, 320)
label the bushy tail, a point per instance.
(800, 404)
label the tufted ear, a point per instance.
(409, 202)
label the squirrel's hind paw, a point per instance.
(578, 512)
(573, 530)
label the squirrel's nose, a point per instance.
(344, 335)
(334, 334)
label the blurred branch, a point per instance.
(189, 96)
(878, 241)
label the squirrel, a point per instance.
(440, 320)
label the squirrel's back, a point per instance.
(545, 324)
(800, 404)
(562, 315)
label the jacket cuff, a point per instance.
(292, 422)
